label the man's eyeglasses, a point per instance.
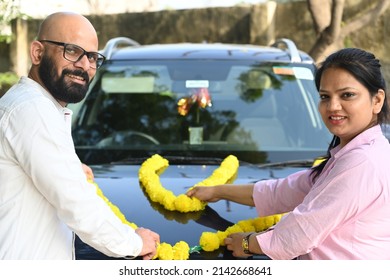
(75, 53)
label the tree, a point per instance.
(99, 7)
(8, 11)
(332, 29)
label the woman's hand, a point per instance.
(206, 194)
(234, 243)
(238, 193)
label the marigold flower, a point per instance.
(209, 241)
(165, 251)
(181, 251)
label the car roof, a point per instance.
(206, 51)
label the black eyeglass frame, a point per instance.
(99, 61)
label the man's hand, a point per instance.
(150, 240)
(88, 172)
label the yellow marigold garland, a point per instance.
(209, 241)
(165, 251)
(114, 208)
(180, 251)
(150, 180)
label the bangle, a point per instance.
(245, 244)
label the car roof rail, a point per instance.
(114, 43)
(290, 47)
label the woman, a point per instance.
(339, 209)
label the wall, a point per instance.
(255, 24)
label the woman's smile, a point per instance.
(337, 119)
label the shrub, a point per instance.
(7, 80)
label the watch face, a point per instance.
(245, 244)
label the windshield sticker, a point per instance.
(197, 84)
(128, 84)
(278, 70)
(303, 73)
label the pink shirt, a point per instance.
(345, 214)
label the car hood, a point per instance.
(120, 184)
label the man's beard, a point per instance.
(62, 91)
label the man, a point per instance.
(44, 194)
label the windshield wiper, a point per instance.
(291, 163)
(173, 160)
(130, 160)
(187, 160)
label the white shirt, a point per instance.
(44, 195)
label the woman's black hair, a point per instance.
(367, 70)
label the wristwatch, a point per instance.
(245, 244)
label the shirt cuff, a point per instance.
(264, 240)
(135, 246)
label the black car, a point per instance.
(194, 105)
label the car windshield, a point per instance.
(260, 112)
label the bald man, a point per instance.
(44, 195)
